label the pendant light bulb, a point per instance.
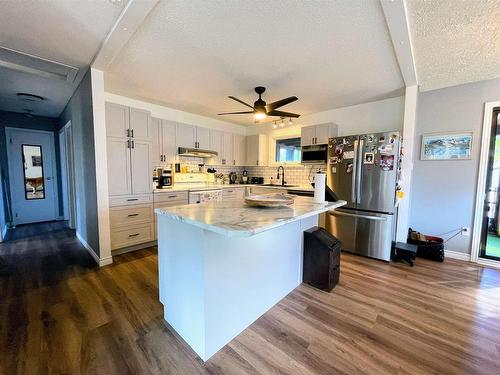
(274, 125)
(282, 122)
(289, 121)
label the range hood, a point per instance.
(196, 152)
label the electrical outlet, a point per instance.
(465, 231)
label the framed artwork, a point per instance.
(446, 146)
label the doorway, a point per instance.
(490, 230)
(67, 175)
(32, 175)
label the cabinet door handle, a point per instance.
(172, 196)
(132, 199)
(128, 132)
(132, 131)
(257, 162)
(132, 215)
(133, 144)
(133, 235)
(128, 143)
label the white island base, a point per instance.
(214, 283)
(212, 286)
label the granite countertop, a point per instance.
(196, 187)
(236, 219)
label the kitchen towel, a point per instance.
(319, 187)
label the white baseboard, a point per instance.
(456, 255)
(100, 261)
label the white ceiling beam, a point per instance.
(396, 16)
(131, 18)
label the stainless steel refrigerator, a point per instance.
(363, 170)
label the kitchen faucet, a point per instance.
(282, 175)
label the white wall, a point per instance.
(443, 192)
(167, 113)
(379, 116)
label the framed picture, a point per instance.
(446, 146)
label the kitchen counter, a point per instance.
(222, 265)
(198, 187)
(236, 219)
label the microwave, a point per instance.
(314, 154)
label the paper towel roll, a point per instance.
(319, 187)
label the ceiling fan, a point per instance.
(261, 110)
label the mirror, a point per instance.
(33, 172)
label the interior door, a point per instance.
(142, 182)
(341, 170)
(32, 176)
(378, 164)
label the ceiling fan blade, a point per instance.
(240, 101)
(235, 113)
(280, 103)
(282, 114)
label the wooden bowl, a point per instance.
(269, 200)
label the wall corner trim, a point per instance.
(100, 261)
(456, 255)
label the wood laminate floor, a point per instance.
(59, 313)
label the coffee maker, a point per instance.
(163, 179)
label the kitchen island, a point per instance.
(224, 264)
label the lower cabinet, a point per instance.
(233, 194)
(131, 235)
(168, 199)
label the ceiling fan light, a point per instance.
(290, 121)
(260, 115)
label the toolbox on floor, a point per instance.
(429, 247)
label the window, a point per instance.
(33, 172)
(288, 150)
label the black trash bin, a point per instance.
(321, 259)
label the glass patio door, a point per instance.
(490, 236)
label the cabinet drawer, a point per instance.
(233, 193)
(124, 200)
(128, 215)
(132, 235)
(171, 196)
(263, 190)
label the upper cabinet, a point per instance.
(193, 136)
(117, 120)
(317, 134)
(186, 135)
(164, 141)
(123, 121)
(239, 150)
(257, 151)
(140, 124)
(216, 143)
(227, 149)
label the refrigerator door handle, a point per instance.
(368, 217)
(359, 152)
(354, 173)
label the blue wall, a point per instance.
(23, 121)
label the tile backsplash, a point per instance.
(294, 174)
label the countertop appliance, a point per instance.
(363, 170)
(314, 154)
(163, 178)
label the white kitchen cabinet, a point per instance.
(186, 135)
(216, 142)
(257, 151)
(239, 150)
(317, 134)
(117, 120)
(140, 167)
(164, 150)
(307, 135)
(202, 138)
(119, 175)
(140, 124)
(227, 149)
(156, 142)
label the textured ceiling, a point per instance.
(455, 41)
(68, 32)
(191, 55)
